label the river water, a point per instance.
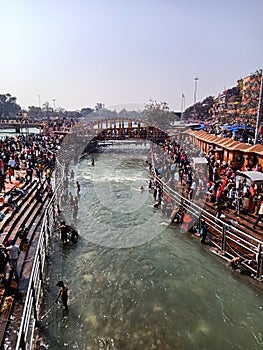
(12, 132)
(136, 283)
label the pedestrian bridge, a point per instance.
(17, 125)
(84, 138)
(121, 129)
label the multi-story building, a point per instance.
(250, 95)
(227, 105)
(239, 103)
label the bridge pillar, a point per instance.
(139, 129)
(110, 129)
(147, 132)
(129, 128)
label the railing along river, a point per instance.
(222, 235)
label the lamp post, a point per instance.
(54, 104)
(182, 107)
(195, 92)
(39, 101)
(260, 110)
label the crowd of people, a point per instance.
(24, 159)
(238, 132)
(219, 182)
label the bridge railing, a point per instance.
(118, 129)
(223, 235)
(25, 337)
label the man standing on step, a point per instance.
(12, 164)
(13, 252)
(63, 294)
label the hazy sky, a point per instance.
(80, 52)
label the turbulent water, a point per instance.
(136, 283)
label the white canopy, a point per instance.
(252, 175)
(199, 160)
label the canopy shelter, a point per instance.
(198, 162)
(252, 177)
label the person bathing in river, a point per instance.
(235, 262)
(67, 233)
(177, 215)
(63, 231)
(63, 294)
(203, 231)
(78, 187)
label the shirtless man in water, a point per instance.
(63, 293)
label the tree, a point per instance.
(47, 107)
(8, 106)
(158, 114)
(99, 106)
(86, 110)
(34, 112)
(201, 109)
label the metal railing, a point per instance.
(222, 235)
(25, 337)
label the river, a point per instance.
(12, 132)
(136, 283)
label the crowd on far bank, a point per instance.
(218, 182)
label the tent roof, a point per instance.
(199, 160)
(255, 148)
(239, 146)
(253, 175)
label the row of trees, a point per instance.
(154, 113)
(201, 110)
(8, 106)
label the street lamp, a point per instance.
(54, 104)
(182, 106)
(39, 102)
(195, 92)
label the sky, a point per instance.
(76, 53)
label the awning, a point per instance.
(199, 160)
(252, 175)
